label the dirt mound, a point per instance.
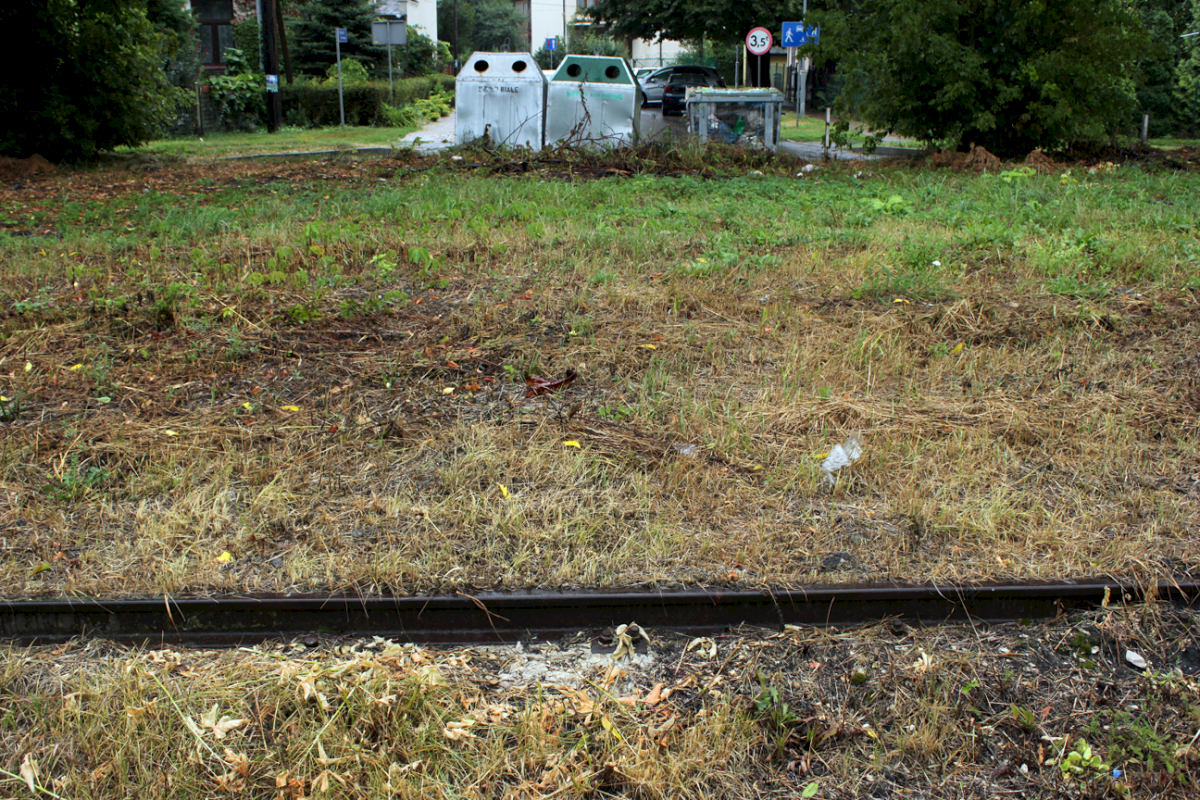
(978, 159)
(1042, 162)
(24, 168)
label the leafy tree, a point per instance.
(1187, 86)
(422, 55)
(311, 38)
(687, 20)
(181, 59)
(487, 25)
(1164, 21)
(90, 78)
(1008, 76)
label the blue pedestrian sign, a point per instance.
(798, 34)
(342, 36)
(552, 43)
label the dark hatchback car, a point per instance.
(652, 84)
(676, 90)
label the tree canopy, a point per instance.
(312, 36)
(90, 78)
(719, 20)
(1007, 76)
(1187, 86)
(488, 25)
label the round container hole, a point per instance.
(611, 73)
(574, 70)
(519, 66)
(481, 66)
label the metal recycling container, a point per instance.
(501, 96)
(593, 100)
(746, 117)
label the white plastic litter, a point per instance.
(1135, 659)
(842, 455)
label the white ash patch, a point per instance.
(572, 666)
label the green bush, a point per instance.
(239, 93)
(418, 112)
(353, 73)
(412, 89)
(91, 77)
(1007, 77)
(313, 105)
(247, 40)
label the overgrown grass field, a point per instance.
(311, 377)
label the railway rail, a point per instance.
(532, 615)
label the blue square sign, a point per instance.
(342, 37)
(798, 34)
(552, 43)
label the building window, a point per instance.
(215, 29)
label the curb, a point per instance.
(518, 616)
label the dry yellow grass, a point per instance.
(335, 399)
(957, 711)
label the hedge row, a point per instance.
(314, 106)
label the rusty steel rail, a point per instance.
(520, 616)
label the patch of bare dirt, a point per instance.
(12, 169)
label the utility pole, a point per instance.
(270, 35)
(802, 68)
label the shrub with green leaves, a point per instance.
(239, 92)
(1008, 77)
(314, 105)
(353, 73)
(419, 112)
(92, 78)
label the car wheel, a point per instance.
(645, 100)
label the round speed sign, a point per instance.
(758, 41)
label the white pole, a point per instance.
(800, 110)
(803, 72)
(337, 44)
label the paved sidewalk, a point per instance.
(433, 136)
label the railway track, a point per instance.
(523, 616)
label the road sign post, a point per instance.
(341, 36)
(799, 34)
(390, 32)
(758, 42)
